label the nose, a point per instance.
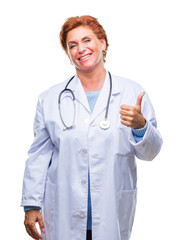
(81, 48)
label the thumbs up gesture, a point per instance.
(132, 116)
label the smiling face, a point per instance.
(85, 49)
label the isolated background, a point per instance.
(145, 45)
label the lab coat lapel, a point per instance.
(101, 103)
(79, 93)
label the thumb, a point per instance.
(139, 99)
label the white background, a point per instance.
(146, 45)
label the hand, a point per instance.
(31, 217)
(132, 116)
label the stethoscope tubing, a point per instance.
(104, 124)
(109, 97)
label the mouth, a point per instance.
(84, 57)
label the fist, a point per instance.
(131, 116)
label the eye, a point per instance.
(87, 40)
(72, 46)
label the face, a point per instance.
(85, 49)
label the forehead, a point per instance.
(78, 33)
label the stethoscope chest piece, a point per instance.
(104, 124)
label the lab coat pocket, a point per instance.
(49, 203)
(126, 209)
(122, 146)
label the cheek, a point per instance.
(96, 50)
(72, 55)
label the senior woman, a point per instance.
(80, 177)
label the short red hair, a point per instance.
(87, 21)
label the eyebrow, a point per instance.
(81, 39)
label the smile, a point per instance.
(85, 57)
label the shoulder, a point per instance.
(126, 84)
(129, 90)
(52, 91)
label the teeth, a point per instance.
(85, 57)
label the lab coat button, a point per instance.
(85, 151)
(82, 214)
(83, 181)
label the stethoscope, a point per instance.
(104, 124)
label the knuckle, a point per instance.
(29, 224)
(32, 224)
(128, 124)
(26, 223)
(132, 113)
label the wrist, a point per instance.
(27, 208)
(142, 124)
(141, 131)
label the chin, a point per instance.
(88, 66)
(85, 67)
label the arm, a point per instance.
(138, 134)
(136, 117)
(40, 154)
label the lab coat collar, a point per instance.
(79, 92)
(101, 103)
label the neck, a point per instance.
(92, 80)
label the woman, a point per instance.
(81, 167)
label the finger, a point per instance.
(41, 223)
(29, 232)
(125, 107)
(124, 112)
(34, 233)
(131, 113)
(126, 120)
(139, 99)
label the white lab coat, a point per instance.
(56, 173)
